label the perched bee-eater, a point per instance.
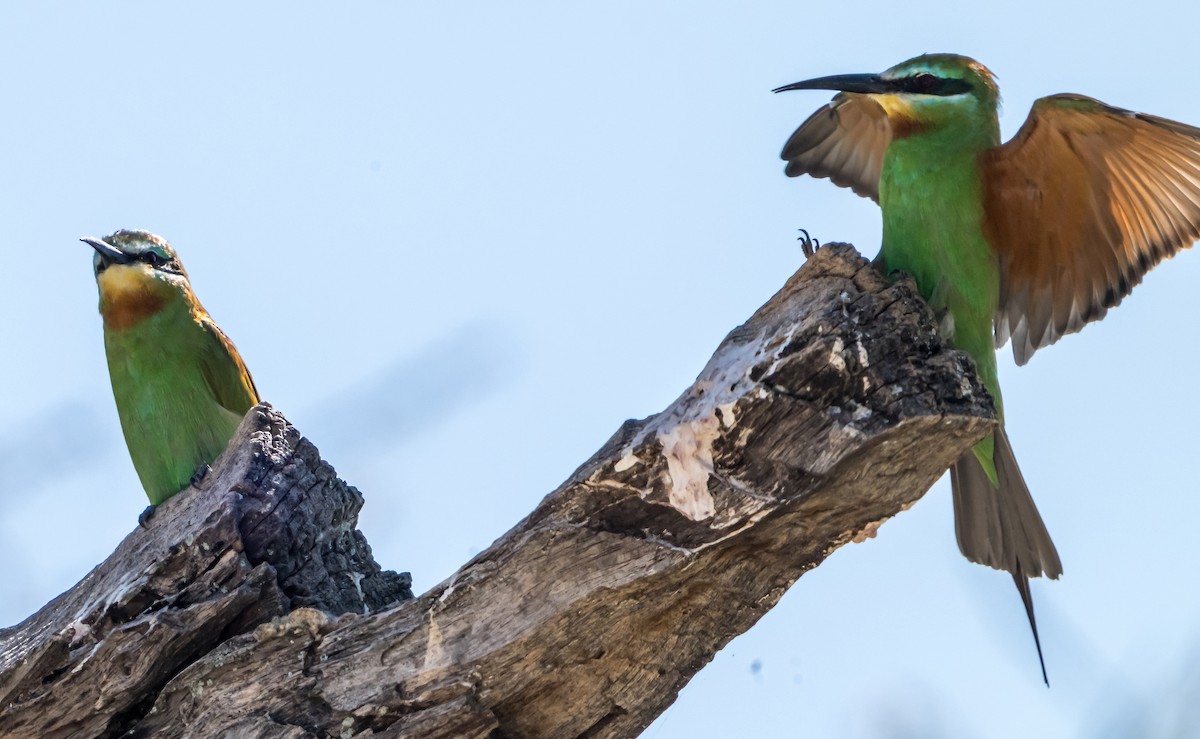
(180, 386)
(1027, 241)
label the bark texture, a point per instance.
(252, 607)
(271, 529)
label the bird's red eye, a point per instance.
(926, 82)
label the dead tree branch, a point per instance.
(252, 607)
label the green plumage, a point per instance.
(180, 387)
(915, 138)
(1028, 242)
(944, 247)
(169, 375)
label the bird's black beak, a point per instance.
(109, 253)
(864, 83)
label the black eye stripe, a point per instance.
(929, 84)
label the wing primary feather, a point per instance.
(843, 141)
(1079, 205)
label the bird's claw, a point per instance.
(145, 516)
(199, 475)
(808, 244)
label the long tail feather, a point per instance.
(1022, 584)
(1000, 526)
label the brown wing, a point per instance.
(1080, 204)
(224, 370)
(844, 141)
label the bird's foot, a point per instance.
(146, 515)
(808, 244)
(199, 475)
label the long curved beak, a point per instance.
(107, 251)
(864, 83)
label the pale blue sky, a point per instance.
(494, 233)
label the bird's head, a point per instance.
(137, 274)
(925, 93)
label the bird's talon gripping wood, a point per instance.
(808, 245)
(199, 475)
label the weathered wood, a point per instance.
(833, 408)
(270, 529)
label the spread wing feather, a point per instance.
(844, 141)
(1079, 205)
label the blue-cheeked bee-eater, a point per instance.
(1026, 241)
(181, 387)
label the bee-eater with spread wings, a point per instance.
(181, 387)
(1028, 241)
